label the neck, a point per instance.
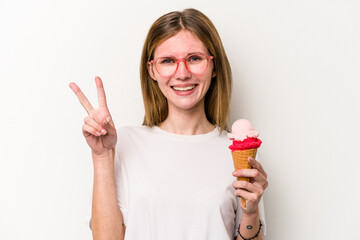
(187, 122)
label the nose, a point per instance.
(182, 73)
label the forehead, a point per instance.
(180, 45)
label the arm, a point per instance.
(107, 220)
(100, 134)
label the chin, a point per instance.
(186, 105)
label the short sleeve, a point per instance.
(261, 211)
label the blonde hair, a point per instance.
(217, 98)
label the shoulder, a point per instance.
(129, 129)
(131, 137)
(222, 135)
(132, 129)
(133, 132)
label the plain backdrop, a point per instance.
(296, 77)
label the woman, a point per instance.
(170, 178)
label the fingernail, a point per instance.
(103, 131)
(234, 172)
(97, 133)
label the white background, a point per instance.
(296, 77)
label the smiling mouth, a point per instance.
(184, 89)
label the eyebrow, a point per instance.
(192, 53)
(195, 53)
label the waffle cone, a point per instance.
(240, 159)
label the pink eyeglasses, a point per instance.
(194, 63)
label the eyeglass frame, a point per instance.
(178, 60)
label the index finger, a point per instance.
(82, 98)
(255, 164)
(101, 92)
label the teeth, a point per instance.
(184, 89)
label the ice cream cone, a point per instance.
(245, 143)
(240, 159)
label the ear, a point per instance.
(151, 71)
(213, 74)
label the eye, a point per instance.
(195, 58)
(166, 61)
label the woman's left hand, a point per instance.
(253, 190)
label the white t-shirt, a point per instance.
(172, 186)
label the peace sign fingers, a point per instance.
(82, 98)
(101, 92)
(99, 129)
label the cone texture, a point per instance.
(240, 159)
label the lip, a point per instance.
(184, 93)
(184, 85)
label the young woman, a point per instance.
(171, 178)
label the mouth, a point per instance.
(183, 88)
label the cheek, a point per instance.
(210, 73)
(162, 81)
(207, 80)
(162, 84)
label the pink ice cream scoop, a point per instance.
(242, 129)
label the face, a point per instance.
(183, 90)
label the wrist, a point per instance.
(250, 214)
(104, 158)
(110, 152)
(254, 236)
(250, 225)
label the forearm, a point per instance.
(106, 220)
(253, 221)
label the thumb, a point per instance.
(109, 125)
(110, 121)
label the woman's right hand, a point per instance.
(98, 129)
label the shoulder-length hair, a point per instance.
(217, 98)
